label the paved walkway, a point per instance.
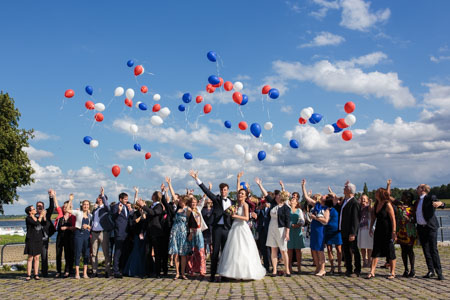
(305, 286)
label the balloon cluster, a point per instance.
(308, 114)
(271, 92)
(343, 123)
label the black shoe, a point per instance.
(406, 273)
(118, 275)
(412, 274)
(212, 279)
(106, 275)
(94, 275)
(441, 277)
(429, 275)
(273, 275)
(287, 275)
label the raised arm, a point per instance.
(136, 194)
(388, 186)
(259, 183)
(282, 186)
(172, 192)
(239, 176)
(308, 199)
(51, 206)
(203, 187)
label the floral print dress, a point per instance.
(178, 243)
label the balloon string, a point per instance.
(240, 111)
(92, 126)
(62, 105)
(96, 158)
(84, 113)
(110, 102)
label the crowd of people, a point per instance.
(246, 238)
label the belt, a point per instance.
(95, 231)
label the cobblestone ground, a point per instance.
(304, 286)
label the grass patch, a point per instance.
(446, 201)
(6, 239)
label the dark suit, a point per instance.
(49, 229)
(349, 225)
(219, 231)
(262, 228)
(428, 233)
(155, 235)
(121, 223)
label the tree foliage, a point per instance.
(15, 167)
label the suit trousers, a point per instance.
(156, 242)
(100, 238)
(263, 249)
(118, 248)
(350, 248)
(428, 240)
(219, 238)
(44, 259)
(65, 243)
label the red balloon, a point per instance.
(148, 155)
(302, 121)
(144, 89)
(116, 170)
(266, 89)
(69, 93)
(199, 99)
(228, 86)
(237, 97)
(138, 70)
(219, 84)
(89, 105)
(156, 108)
(128, 102)
(341, 123)
(347, 135)
(243, 125)
(207, 108)
(210, 88)
(349, 107)
(98, 117)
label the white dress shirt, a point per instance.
(419, 213)
(96, 222)
(225, 203)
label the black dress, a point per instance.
(383, 245)
(33, 240)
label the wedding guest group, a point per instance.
(246, 236)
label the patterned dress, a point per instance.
(178, 243)
(406, 229)
(197, 261)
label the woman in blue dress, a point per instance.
(319, 216)
(296, 239)
(332, 234)
(178, 242)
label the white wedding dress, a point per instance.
(240, 257)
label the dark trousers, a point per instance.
(165, 253)
(118, 247)
(81, 241)
(219, 238)
(155, 243)
(44, 259)
(263, 249)
(350, 248)
(64, 242)
(428, 240)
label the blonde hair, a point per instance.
(317, 197)
(284, 196)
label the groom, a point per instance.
(221, 223)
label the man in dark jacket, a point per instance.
(263, 221)
(427, 226)
(120, 215)
(48, 228)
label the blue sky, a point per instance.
(391, 58)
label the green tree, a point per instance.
(15, 170)
(365, 190)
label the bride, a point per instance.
(240, 257)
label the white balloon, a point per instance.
(238, 86)
(164, 112)
(156, 120)
(239, 150)
(268, 125)
(277, 147)
(99, 106)
(118, 91)
(306, 114)
(137, 104)
(350, 119)
(93, 144)
(310, 109)
(156, 97)
(134, 128)
(130, 94)
(129, 169)
(328, 129)
(248, 157)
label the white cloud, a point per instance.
(41, 136)
(438, 96)
(344, 76)
(286, 109)
(324, 39)
(439, 58)
(325, 6)
(37, 154)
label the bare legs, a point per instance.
(298, 255)
(274, 258)
(374, 265)
(33, 259)
(338, 255)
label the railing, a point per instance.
(12, 244)
(442, 227)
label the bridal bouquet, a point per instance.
(231, 210)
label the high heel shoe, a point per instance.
(321, 274)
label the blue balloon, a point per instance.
(336, 128)
(137, 147)
(213, 79)
(255, 129)
(187, 98)
(130, 63)
(188, 155)
(244, 99)
(293, 143)
(243, 185)
(87, 140)
(89, 89)
(181, 107)
(212, 56)
(227, 124)
(143, 106)
(261, 155)
(274, 93)
(315, 118)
